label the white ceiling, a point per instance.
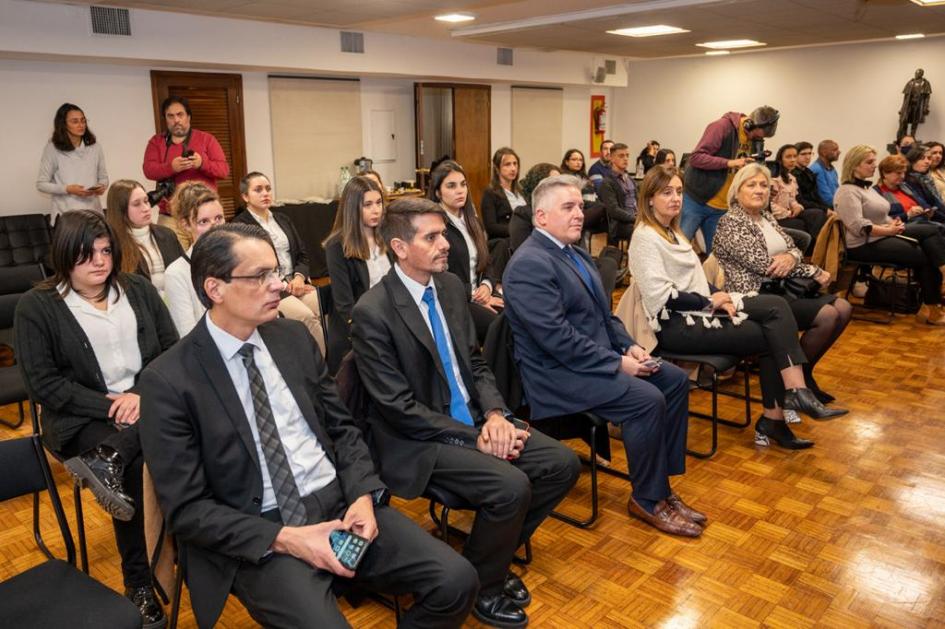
(776, 22)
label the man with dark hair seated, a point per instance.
(437, 418)
(807, 180)
(257, 463)
(619, 195)
(574, 356)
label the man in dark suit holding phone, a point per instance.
(437, 418)
(574, 356)
(256, 462)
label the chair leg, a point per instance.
(19, 422)
(178, 591)
(80, 525)
(527, 559)
(584, 524)
(37, 533)
(715, 422)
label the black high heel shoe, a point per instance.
(805, 401)
(767, 429)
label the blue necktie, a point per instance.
(458, 409)
(585, 275)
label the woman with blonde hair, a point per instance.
(147, 249)
(688, 315)
(196, 208)
(757, 255)
(871, 233)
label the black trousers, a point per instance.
(810, 221)
(770, 332)
(129, 536)
(482, 318)
(282, 591)
(653, 415)
(925, 259)
(513, 498)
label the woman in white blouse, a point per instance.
(356, 256)
(196, 208)
(148, 249)
(72, 169)
(299, 299)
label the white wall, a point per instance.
(850, 93)
(117, 101)
(396, 95)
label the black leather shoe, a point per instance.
(515, 589)
(767, 429)
(805, 401)
(152, 614)
(101, 469)
(499, 610)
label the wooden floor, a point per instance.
(850, 533)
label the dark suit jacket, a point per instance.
(458, 260)
(619, 219)
(567, 343)
(401, 370)
(496, 212)
(297, 249)
(168, 245)
(200, 451)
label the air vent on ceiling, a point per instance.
(504, 56)
(110, 21)
(352, 42)
(611, 65)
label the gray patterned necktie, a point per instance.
(283, 482)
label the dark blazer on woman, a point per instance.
(458, 261)
(297, 250)
(496, 212)
(167, 243)
(58, 363)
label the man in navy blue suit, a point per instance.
(574, 355)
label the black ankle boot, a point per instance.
(804, 401)
(767, 429)
(820, 394)
(152, 614)
(101, 470)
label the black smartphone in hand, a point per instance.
(348, 547)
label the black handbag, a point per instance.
(791, 287)
(889, 292)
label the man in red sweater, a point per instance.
(182, 153)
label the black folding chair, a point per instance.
(53, 593)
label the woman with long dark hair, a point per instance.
(82, 338)
(785, 207)
(665, 157)
(72, 169)
(937, 166)
(356, 256)
(469, 252)
(499, 200)
(148, 249)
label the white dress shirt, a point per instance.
(460, 224)
(416, 290)
(514, 198)
(377, 265)
(310, 464)
(113, 333)
(182, 300)
(279, 240)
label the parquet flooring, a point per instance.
(847, 534)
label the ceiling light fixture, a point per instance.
(911, 36)
(717, 53)
(454, 18)
(731, 43)
(648, 31)
(928, 3)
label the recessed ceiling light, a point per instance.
(717, 53)
(928, 3)
(648, 31)
(732, 43)
(455, 17)
(911, 35)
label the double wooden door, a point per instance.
(216, 103)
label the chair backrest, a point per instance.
(24, 245)
(24, 470)
(8, 309)
(326, 309)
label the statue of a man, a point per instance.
(915, 104)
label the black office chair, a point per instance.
(335, 348)
(12, 389)
(53, 593)
(864, 273)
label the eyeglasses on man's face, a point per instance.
(260, 279)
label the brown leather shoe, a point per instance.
(688, 512)
(664, 518)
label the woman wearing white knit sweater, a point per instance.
(148, 249)
(689, 316)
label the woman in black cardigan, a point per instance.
(299, 299)
(357, 259)
(82, 338)
(148, 248)
(469, 255)
(499, 200)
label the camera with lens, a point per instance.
(758, 152)
(163, 190)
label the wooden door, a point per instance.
(216, 103)
(472, 135)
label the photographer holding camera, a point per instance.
(727, 144)
(181, 154)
